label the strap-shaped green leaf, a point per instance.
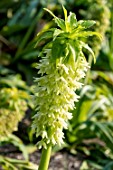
(60, 22)
(44, 35)
(65, 12)
(60, 33)
(89, 49)
(56, 33)
(72, 48)
(67, 24)
(84, 34)
(72, 54)
(58, 48)
(86, 23)
(72, 20)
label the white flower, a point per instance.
(61, 70)
(55, 98)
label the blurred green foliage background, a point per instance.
(91, 128)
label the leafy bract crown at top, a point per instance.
(67, 41)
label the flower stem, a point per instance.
(45, 158)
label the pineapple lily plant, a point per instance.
(61, 68)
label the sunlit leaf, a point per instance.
(72, 20)
(72, 49)
(90, 50)
(84, 34)
(44, 35)
(65, 13)
(86, 24)
(58, 48)
(56, 33)
(60, 22)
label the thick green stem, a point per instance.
(45, 158)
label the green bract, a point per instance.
(61, 67)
